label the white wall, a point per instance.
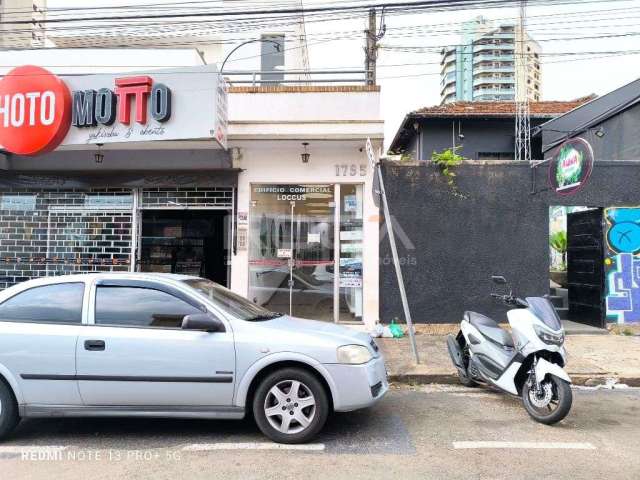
(307, 106)
(268, 130)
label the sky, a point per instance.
(410, 79)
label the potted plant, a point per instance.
(558, 241)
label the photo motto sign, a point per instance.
(40, 111)
(35, 111)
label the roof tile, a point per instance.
(464, 109)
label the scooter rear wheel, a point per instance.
(464, 377)
(550, 405)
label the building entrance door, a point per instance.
(301, 236)
(189, 242)
(585, 267)
(292, 249)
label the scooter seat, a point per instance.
(489, 328)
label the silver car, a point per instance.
(161, 345)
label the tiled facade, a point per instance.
(55, 232)
(201, 197)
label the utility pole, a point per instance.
(523, 126)
(371, 49)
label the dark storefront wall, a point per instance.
(53, 231)
(479, 136)
(63, 212)
(498, 227)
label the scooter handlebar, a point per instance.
(510, 300)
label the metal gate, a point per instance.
(585, 267)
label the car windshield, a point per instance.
(230, 302)
(543, 309)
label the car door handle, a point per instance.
(94, 345)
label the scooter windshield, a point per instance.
(544, 310)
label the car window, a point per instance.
(58, 303)
(140, 307)
(230, 302)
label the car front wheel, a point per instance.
(290, 406)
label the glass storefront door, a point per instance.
(350, 264)
(295, 250)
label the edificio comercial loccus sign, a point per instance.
(570, 166)
(40, 111)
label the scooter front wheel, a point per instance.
(551, 403)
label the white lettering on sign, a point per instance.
(48, 108)
(32, 107)
(17, 110)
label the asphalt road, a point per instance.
(426, 432)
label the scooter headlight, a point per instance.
(548, 336)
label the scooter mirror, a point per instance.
(499, 280)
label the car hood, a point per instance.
(339, 333)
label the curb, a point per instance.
(586, 380)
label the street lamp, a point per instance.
(245, 43)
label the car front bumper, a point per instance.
(358, 386)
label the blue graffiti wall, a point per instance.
(622, 264)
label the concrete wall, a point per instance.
(450, 244)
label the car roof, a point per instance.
(88, 277)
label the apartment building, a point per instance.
(485, 64)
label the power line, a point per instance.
(389, 6)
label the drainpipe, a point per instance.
(453, 135)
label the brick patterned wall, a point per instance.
(187, 197)
(54, 232)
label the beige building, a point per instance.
(212, 40)
(22, 35)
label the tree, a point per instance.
(558, 241)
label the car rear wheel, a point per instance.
(290, 406)
(8, 411)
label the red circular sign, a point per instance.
(35, 111)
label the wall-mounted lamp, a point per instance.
(98, 156)
(600, 132)
(305, 155)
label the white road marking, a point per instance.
(29, 449)
(525, 445)
(203, 447)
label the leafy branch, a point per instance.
(446, 161)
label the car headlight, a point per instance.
(549, 337)
(353, 354)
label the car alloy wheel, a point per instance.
(290, 406)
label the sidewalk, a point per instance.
(592, 360)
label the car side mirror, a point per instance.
(499, 279)
(204, 322)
